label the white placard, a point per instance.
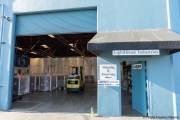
(135, 52)
(108, 72)
(108, 82)
(137, 66)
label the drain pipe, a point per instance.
(1, 29)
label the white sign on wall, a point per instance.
(108, 72)
(135, 52)
(108, 82)
(137, 66)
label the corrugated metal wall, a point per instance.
(62, 65)
(57, 22)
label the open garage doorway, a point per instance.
(47, 46)
(52, 64)
(134, 94)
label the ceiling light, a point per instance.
(71, 44)
(19, 48)
(52, 36)
(33, 52)
(72, 49)
(44, 46)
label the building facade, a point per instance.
(141, 18)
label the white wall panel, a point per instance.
(72, 61)
(58, 65)
(65, 65)
(87, 66)
(45, 65)
(80, 61)
(94, 72)
(62, 65)
(94, 60)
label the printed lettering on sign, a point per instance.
(108, 72)
(108, 82)
(137, 66)
(135, 52)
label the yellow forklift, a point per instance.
(75, 81)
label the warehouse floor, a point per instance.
(59, 101)
(127, 109)
(63, 102)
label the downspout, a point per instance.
(168, 14)
(1, 29)
(174, 96)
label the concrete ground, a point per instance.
(58, 105)
(58, 116)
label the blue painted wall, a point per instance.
(175, 26)
(176, 80)
(113, 15)
(174, 6)
(176, 71)
(131, 15)
(109, 97)
(178, 104)
(160, 85)
(7, 57)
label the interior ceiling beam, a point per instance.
(28, 50)
(38, 53)
(54, 51)
(65, 42)
(43, 53)
(61, 47)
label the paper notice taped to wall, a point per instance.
(108, 82)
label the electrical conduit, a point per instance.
(1, 31)
(2, 20)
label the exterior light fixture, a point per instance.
(44, 46)
(33, 52)
(52, 36)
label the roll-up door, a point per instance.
(79, 21)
